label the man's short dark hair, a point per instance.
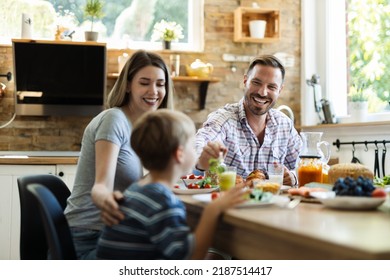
(267, 60)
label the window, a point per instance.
(126, 23)
(330, 46)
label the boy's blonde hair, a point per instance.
(157, 135)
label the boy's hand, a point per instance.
(231, 198)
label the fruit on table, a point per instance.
(378, 193)
(353, 187)
(215, 195)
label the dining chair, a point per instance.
(58, 235)
(33, 244)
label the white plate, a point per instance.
(352, 202)
(184, 190)
(284, 188)
(206, 198)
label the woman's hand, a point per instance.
(110, 212)
(108, 203)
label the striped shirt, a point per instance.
(229, 126)
(154, 227)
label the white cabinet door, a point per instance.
(10, 206)
(5, 216)
(67, 173)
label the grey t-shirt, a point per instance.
(110, 125)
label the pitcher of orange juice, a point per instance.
(312, 159)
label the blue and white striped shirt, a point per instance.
(154, 227)
(229, 126)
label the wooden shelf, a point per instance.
(242, 17)
(203, 86)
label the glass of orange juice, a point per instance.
(227, 178)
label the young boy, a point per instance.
(155, 219)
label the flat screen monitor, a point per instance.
(54, 78)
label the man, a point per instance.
(250, 133)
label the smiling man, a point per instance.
(250, 133)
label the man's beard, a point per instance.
(252, 105)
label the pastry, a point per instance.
(254, 175)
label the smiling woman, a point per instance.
(125, 23)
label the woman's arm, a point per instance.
(103, 195)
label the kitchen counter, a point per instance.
(310, 231)
(38, 157)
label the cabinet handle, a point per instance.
(61, 174)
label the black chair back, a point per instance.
(33, 244)
(56, 226)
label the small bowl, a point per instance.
(267, 186)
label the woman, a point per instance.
(107, 163)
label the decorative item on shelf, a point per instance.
(66, 23)
(93, 10)
(174, 62)
(26, 26)
(257, 28)
(199, 69)
(167, 31)
(358, 103)
(122, 59)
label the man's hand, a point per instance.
(288, 178)
(211, 150)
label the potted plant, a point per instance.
(358, 102)
(167, 32)
(93, 11)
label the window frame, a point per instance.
(323, 47)
(195, 33)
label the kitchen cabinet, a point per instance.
(9, 201)
(242, 17)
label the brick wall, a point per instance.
(64, 133)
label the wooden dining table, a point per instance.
(309, 231)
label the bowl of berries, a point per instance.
(353, 194)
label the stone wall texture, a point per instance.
(65, 133)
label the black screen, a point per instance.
(59, 74)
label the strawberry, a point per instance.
(192, 176)
(214, 195)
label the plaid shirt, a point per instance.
(229, 126)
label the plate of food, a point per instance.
(193, 188)
(351, 202)
(352, 194)
(305, 193)
(256, 199)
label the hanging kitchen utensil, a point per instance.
(384, 157)
(376, 164)
(354, 159)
